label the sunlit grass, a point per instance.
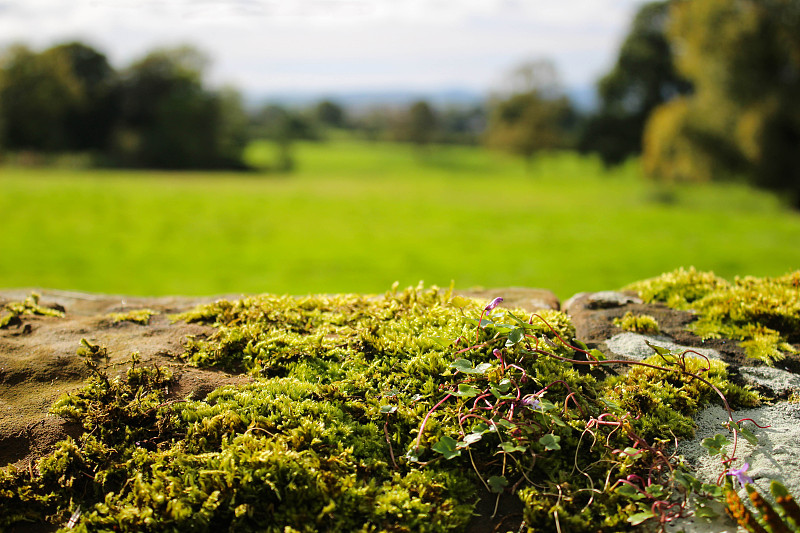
(356, 217)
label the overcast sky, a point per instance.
(280, 46)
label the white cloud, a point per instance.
(268, 45)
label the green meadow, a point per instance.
(355, 217)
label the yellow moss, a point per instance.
(139, 316)
(637, 323)
(762, 313)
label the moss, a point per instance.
(663, 400)
(637, 323)
(762, 313)
(367, 414)
(138, 316)
(29, 306)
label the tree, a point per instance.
(330, 114)
(420, 124)
(643, 78)
(36, 94)
(535, 116)
(744, 118)
(283, 127)
(168, 118)
(90, 119)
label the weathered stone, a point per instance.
(519, 297)
(780, 382)
(631, 345)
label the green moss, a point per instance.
(762, 313)
(366, 414)
(664, 400)
(138, 316)
(637, 323)
(29, 306)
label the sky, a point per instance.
(333, 46)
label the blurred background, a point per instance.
(320, 146)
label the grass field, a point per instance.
(357, 217)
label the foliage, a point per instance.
(535, 116)
(762, 313)
(743, 118)
(419, 124)
(330, 114)
(474, 395)
(643, 77)
(61, 99)
(169, 119)
(637, 323)
(156, 113)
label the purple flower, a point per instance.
(739, 474)
(494, 303)
(531, 401)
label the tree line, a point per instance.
(701, 90)
(156, 113)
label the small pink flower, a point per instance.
(531, 401)
(740, 475)
(494, 303)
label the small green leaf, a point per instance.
(580, 344)
(597, 354)
(629, 491)
(516, 336)
(465, 390)
(510, 448)
(506, 424)
(483, 323)
(518, 320)
(638, 518)
(470, 438)
(748, 436)
(657, 491)
(715, 491)
(633, 452)
(481, 428)
(447, 446)
(465, 366)
(686, 480)
(705, 512)
(550, 442)
(497, 483)
(544, 405)
(499, 395)
(715, 444)
(557, 421)
(660, 350)
(388, 409)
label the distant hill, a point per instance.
(584, 98)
